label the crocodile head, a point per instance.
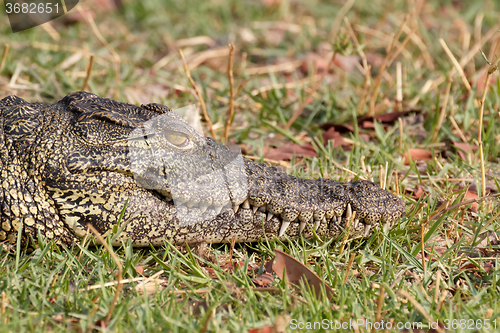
(95, 156)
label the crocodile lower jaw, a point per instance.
(357, 226)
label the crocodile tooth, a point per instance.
(218, 209)
(284, 226)
(236, 208)
(254, 208)
(190, 204)
(318, 223)
(348, 213)
(246, 204)
(355, 225)
(269, 216)
(303, 224)
(367, 230)
(203, 209)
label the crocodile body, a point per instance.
(85, 158)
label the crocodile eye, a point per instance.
(176, 138)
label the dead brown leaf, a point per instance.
(367, 124)
(346, 63)
(264, 329)
(287, 151)
(472, 195)
(198, 307)
(295, 271)
(338, 127)
(416, 193)
(266, 277)
(263, 280)
(320, 62)
(332, 134)
(418, 155)
(314, 63)
(271, 3)
(386, 118)
(464, 149)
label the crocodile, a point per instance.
(145, 172)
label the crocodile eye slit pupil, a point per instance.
(177, 139)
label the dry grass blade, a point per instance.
(4, 56)
(442, 114)
(289, 85)
(457, 128)
(400, 141)
(354, 39)
(441, 300)
(396, 182)
(307, 100)
(124, 281)
(116, 56)
(437, 282)
(230, 111)
(419, 308)
(206, 320)
(347, 229)
(56, 36)
(349, 265)
(399, 85)
(386, 62)
(380, 303)
(364, 94)
(338, 19)
(421, 45)
(477, 46)
(491, 70)
(198, 93)
(366, 67)
(456, 64)
(286, 67)
(199, 58)
(89, 71)
(422, 245)
(3, 306)
(119, 284)
(443, 209)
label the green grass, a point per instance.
(46, 290)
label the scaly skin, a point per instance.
(78, 161)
